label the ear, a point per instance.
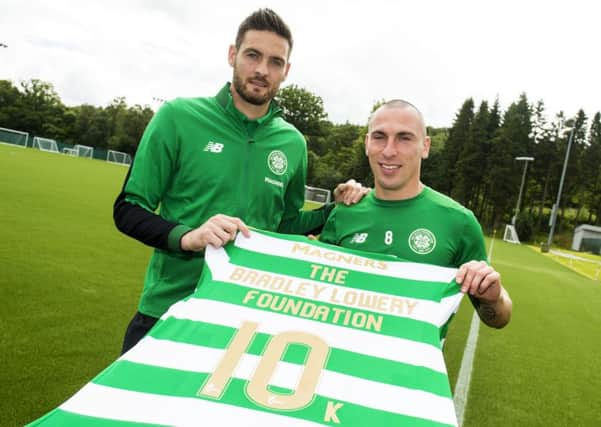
(231, 55)
(286, 71)
(426, 149)
(366, 141)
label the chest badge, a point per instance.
(422, 241)
(277, 162)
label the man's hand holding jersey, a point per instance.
(483, 284)
(217, 231)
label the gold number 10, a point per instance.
(257, 387)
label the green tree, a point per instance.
(42, 110)
(341, 158)
(546, 160)
(11, 106)
(305, 111)
(591, 169)
(459, 133)
(503, 178)
(469, 170)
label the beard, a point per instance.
(249, 96)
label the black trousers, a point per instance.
(137, 328)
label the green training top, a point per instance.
(430, 228)
(200, 157)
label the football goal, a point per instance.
(13, 137)
(511, 235)
(118, 157)
(84, 151)
(45, 144)
(70, 151)
(317, 195)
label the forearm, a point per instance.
(495, 314)
(146, 227)
(306, 222)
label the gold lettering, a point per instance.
(327, 274)
(293, 306)
(322, 313)
(410, 306)
(264, 280)
(341, 277)
(237, 274)
(314, 270)
(249, 295)
(359, 319)
(397, 304)
(337, 313)
(331, 410)
(374, 323)
(301, 290)
(264, 300)
(350, 297)
(308, 310)
(318, 289)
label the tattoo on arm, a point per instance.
(487, 312)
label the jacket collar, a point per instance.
(224, 98)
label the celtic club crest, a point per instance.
(277, 162)
(422, 241)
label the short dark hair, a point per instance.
(264, 20)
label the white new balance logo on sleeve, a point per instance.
(359, 238)
(214, 147)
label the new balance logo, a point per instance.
(359, 238)
(214, 147)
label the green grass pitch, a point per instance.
(69, 283)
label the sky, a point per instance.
(435, 54)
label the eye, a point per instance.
(277, 62)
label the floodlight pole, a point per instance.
(563, 174)
(517, 207)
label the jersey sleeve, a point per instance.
(134, 211)
(472, 241)
(328, 234)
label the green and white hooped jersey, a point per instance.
(285, 331)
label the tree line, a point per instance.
(36, 108)
(473, 161)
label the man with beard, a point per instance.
(212, 165)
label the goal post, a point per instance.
(511, 235)
(317, 195)
(13, 137)
(118, 157)
(84, 151)
(45, 144)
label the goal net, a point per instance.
(13, 137)
(69, 151)
(84, 151)
(317, 195)
(45, 144)
(511, 235)
(118, 157)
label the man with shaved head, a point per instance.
(405, 218)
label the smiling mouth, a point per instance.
(389, 167)
(258, 83)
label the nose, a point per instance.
(262, 68)
(390, 148)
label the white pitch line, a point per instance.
(462, 386)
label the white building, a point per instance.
(587, 238)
